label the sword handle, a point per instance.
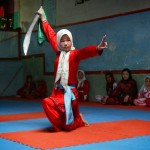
(37, 13)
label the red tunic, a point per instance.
(123, 89)
(27, 91)
(83, 90)
(54, 104)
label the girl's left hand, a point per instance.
(102, 44)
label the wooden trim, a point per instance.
(9, 59)
(35, 55)
(117, 72)
(8, 38)
(98, 72)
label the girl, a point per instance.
(110, 86)
(144, 93)
(82, 86)
(126, 90)
(61, 107)
(27, 90)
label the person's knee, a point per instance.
(47, 101)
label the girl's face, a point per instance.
(65, 43)
(125, 75)
(80, 75)
(147, 82)
(108, 78)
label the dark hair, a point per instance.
(108, 73)
(28, 77)
(129, 71)
(109, 85)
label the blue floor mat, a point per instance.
(16, 107)
(9, 145)
(99, 114)
(32, 124)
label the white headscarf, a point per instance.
(63, 64)
(81, 81)
(144, 88)
(62, 32)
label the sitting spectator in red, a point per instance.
(27, 91)
(41, 89)
(144, 94)
(126, 90)
(82, 86)
(111, 84)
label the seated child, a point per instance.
(82, 86)
(41, 89)
(111, 84)
(27, 90)
(144, 93)
(126, 90)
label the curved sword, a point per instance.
(27, 38)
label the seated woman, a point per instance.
(82, 86)
(144, 94)
(111, 84)
(126, 90)
(27, 91)
(41, 89)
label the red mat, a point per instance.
(98, 132)
(23, 116)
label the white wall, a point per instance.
(27, 10)
(68, 13)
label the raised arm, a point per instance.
(48, 31)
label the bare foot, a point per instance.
(84, 121)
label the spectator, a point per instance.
(111, 84)
(27, 90)
(82, 86)
(126, 90)
(144, 94)
(41, 89)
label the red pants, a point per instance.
(54, 109)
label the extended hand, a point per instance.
(40, 11)
(102, 44)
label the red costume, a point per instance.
(41, 89)
(54, 104)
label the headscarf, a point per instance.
(81, 81)
(62, 32)
(130, 74)
(144, 87)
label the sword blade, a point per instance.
(27, 38)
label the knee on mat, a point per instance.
(46, 101)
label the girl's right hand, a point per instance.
(40, 11)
